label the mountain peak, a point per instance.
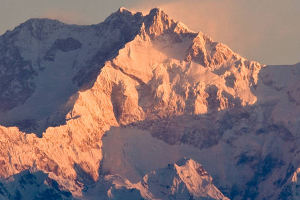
(189, 176)
(125, 11)
(157, 21)
(41, 22)
(123, 15)
(37, 27)
(156, 12)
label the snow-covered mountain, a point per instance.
(110, 110)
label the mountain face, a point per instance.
(110, 110)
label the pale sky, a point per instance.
(264, 30)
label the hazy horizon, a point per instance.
(263, 30)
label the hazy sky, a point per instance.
(264, 30)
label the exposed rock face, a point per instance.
(70, 84)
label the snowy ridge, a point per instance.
(185, 179)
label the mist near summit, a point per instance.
(263, 30)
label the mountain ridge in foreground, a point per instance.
(101, 110)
